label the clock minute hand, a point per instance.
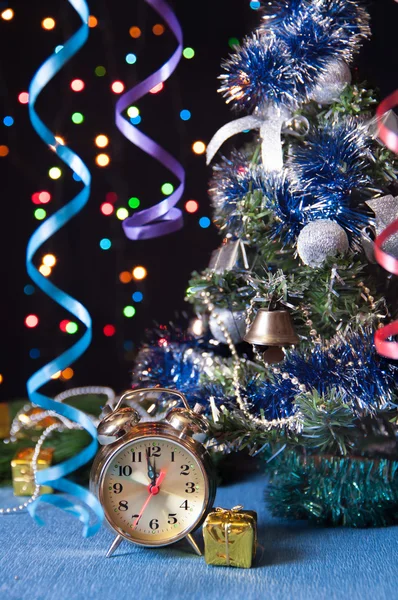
(151, 469)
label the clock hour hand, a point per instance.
(151, 469)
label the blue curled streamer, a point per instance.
(55, 476)
(163, 218)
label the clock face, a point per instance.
(154, 491)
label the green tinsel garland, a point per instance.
(337, 491)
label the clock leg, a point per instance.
(115, 544)
(194, 544)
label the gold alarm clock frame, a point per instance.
(171, 431)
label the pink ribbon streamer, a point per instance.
(384, 347)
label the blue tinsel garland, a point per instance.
(233, 177)
(366, 380)
(281, 63)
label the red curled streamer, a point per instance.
(388, 262)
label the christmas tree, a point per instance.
(281, 349)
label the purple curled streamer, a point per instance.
(163, 218)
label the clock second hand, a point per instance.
(153, 490)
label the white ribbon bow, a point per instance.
(269, 123)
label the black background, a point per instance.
(83, 269)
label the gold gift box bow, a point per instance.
(230, 537)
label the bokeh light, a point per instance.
(71, 327)
(131, 58)
(188, 53)
(77, 118)
(63, 325)
(204, 222)
(60, 140)
(77, 85)
(105, 244)
(107, 208)
(117, 87)
(135, 32)
(133, 111)
(158, 29)
(129, 311)
(125, 277)
(111, 197)
(44, 270)
(138, 296)
(139, 273)
(56, 375)
(255, 4)
(133, 202)
(1, 378)
(92, 21)
(49, 260)
(128, 345)
(58, 49)
(55, 173)
(44, 197)
(100, 71)
(23, 97)
(48, 23)
(167, 189)
(40, 214)
(102, 160)
(101, 141)
(199, 147)
(8, 121)
(136, 120)
(232, 42)
(29, 289)
(157, 88)
(7, 14)
(67, 373)
(4, 151)
(34, 353)
(185, 115)
(122, 213)
(31, 321)
(191, 206)
(109, 330)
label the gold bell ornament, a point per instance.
(272, 328)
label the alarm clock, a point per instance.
(154, 480)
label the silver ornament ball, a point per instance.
(331, 83)
(320, 239)
(233, 321)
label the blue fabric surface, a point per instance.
(295, 561)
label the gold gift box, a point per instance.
(5, 422)
(230, 537)
(22, 472)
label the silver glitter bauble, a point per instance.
(386, 211)
(331, 83)
(233, 321)
(320, 239)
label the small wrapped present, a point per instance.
(230, 537)
(5, 421)
(22, 472)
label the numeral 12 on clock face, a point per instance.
(155, 489)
